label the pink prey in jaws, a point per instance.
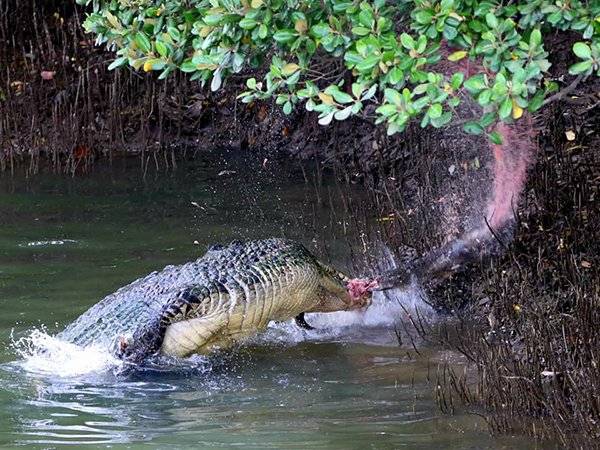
(359, 293)
(360, 289)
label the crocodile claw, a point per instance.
(301, 322)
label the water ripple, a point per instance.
(48, 243)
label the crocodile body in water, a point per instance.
(226, 295)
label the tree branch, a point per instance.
(562, 93)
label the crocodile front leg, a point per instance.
(189, 303)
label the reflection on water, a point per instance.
(257, 399)
(65, 243)
(308, 395)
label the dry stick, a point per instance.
(560, 94)
(494, 234)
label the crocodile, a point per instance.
(229, 294)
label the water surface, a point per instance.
(65, 243)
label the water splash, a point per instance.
(376, 325)
(44, 354)
(41, 354)
(388, 308)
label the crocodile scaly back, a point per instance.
(149, 300)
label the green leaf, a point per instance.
(442, 120)
(361, 31)
(457, 80)
(188, 66)
(368, 63)
(394, 128)
(174, 33)
(211, 20)
(343, 114)
(285, 36)
(450, 33)
(320, 30)
(287, 108)
(247, 24)
(581, 67)
(393, 96)
(536, 37)
(423, 17)
(263, 31)
(421, 44)
(484, 97)
(341, 97)
(473, 128)
(387, 110)
(476, 83)
(495, 137)
(357, 89)
(396, 75)
(536, 102)
(142, 42)
(435, 111)
(118, 63)
(162, 49)
(370, 92)
(216, 81)
(582, 50)
(366, 18)
(555, 17)
(352, 58)
(487, 119)
(326, 120)
(505, 108)
(342, 6)
(165, 73)
(491, 20)
(407, 41)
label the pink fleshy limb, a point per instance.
(512, 159)
(359, 288)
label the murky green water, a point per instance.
(65, 243)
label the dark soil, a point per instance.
(533, 312)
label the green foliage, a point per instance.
(341, 58)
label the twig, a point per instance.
(494, 234)
(562, 93)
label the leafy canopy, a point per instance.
(340, 58)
